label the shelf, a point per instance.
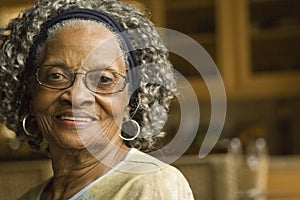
(191, 21)
(269, 1)
(275, 33)
(192, 17)
(274, 36)
(274, 14)
(266, 1)
(207, 41)
(280, 54)
(206, 38)
(192, 4)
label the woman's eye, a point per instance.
(105, 80)
(55, 76)
(102, 80)
(102, 77)
(56, 79)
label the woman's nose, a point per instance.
(78, 94)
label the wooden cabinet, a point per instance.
(254, 42)
(195, 18)
(268, 42)
(198, 20)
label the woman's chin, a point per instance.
(72, 141)
(70, 135)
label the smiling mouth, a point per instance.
(76, 118)
(72, 122)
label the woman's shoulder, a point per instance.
(142, 163)
(146, 167)
(153, 178)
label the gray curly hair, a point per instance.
(150, 102)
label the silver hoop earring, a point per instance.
(128, 128)
(23, 121)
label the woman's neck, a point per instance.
(75, 169)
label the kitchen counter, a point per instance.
(284, 178)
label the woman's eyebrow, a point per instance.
(97, 67)
(54, 64)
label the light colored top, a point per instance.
(138, 177)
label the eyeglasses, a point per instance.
(102, 81)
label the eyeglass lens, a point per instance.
(98, 81)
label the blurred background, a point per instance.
(255, 45)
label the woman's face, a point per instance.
(76, 118)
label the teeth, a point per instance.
(72, 118)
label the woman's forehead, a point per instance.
(84, 44)
(85, 27)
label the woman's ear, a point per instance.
(31, 92)
(127, 113)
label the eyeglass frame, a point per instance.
(84, 80)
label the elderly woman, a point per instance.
(88, 81)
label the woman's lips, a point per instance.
(75, 120)
(72, 118)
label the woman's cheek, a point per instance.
(113, 105)
(44, 123)
(41, 99)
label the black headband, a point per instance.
(87, 14)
